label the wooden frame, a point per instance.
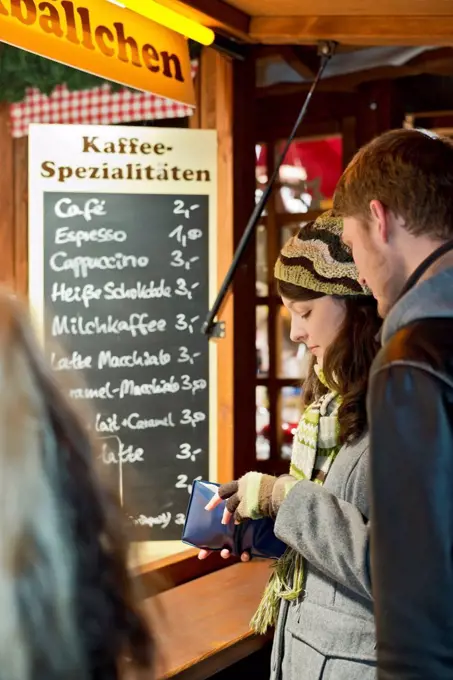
(391, 22)
(214, 13)
(353, 30)
(365, 8)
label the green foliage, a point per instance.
(20, 69)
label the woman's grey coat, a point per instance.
(329, 633)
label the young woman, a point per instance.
(319, 595)
(68, 606)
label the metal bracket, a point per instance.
(230, 47)
(327, 48)
(215, 330)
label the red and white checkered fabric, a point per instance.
(98, 106)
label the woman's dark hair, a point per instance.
(347, 361)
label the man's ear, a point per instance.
(379, 215)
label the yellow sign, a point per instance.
(102, 38)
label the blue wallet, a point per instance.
(204, 529)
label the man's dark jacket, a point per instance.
(411, 442)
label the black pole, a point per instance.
(326, 51)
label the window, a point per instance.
(304, 189)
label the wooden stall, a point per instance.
(393, 67)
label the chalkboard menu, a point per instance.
(122, 263)
(126, 285)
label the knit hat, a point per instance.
(317, 259)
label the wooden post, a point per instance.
(13, 207)
(6, 199)
(244, 140)
(216, 112)
(273, 249)
(20, 225)
(349, 137)
(194, 119)
(380, 109)
(227, 104)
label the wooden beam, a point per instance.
(432, 59)
(354, 30)
(433, 114)
(268, 51)
(302, 62)
(275, 116)
(363, 8)
(436, 62)
(328, 86)
(322, 107)
(216, 14)
(308, 130)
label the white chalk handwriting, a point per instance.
(65, 208)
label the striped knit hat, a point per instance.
(317, 259)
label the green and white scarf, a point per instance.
(315, 447)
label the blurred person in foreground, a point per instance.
(68, 607)
(396, 198)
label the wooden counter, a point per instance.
(203, 625)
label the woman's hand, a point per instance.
(253, 496)
(225, 491)
(225, 554)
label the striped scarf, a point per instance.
(315, 447)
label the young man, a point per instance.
(396, 197)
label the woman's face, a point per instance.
(316, 322)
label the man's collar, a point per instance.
(424, 266)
